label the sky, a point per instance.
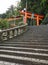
(5, 4)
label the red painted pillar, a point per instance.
(25, 18)
(37, 20)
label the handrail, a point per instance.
(12, 32)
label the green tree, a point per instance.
(36, 6)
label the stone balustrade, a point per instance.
(12, 32)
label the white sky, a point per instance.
(5, 4)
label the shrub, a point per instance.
(45, 21)
(4, 24)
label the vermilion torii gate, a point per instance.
(27, 15)
(36, 17)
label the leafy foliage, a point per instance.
(45, 21)
(4, 24)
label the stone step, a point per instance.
(8, 63)
(38, 47)
(21, 48)
(24, 43)
(29, 40)
(22, 59)
(25, 54)
(31, 43)
(24, 49)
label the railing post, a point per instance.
(20, 30)
(0, 36)
(8, 35)
(17, 31)
(13, 31)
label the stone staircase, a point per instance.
(30, 48)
